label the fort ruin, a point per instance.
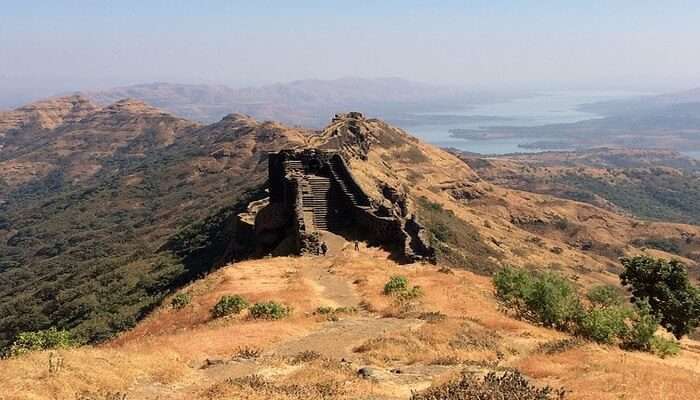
(311, 192)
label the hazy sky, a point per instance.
(65, 45)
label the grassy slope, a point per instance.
(85, 254)
(163, 356)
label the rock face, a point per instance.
(312, 191)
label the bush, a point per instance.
(269, 310)
(552, 301)
(324, 310)
(399, 288)
(511, 285)
(605, 296)
(509, 385)
(41, 340)
(248, 353)
(180, 300)
(604, 325)
(643, 326)
(396, 284)
(545, 298)
(666, 287)
(663, 347)
(229, 305)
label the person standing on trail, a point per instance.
(324, 248)
(357, 245)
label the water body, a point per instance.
(542, 109)
(692, 154)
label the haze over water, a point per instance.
(557, 107)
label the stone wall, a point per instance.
(352, 209)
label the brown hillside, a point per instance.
(456, 326)
(83, 250)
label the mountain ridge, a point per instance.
(101, 196)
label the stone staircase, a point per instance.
(339, 178)
(293, 165)
(315, 200)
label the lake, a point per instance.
(542, 109)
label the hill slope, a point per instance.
(85, 207)
(130, 203)
(399, 348)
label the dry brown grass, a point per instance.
(163, 356)
(593, 372)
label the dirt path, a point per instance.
(332, 339)
(338, 339)
(333, 290)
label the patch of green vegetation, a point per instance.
(269, 310)
(666, 287)
(658, 292)
(603, 324)
(41, 340)
(663, 244)
(663, 347)
(545, 298)
(398, 287)
(180, 301)
(324, 310)
(652, 193)
(643, 326)
(456, 242)
(229, 305)
(84, 259)
(605, 296)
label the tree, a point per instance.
(665, 286)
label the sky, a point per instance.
(58, 45)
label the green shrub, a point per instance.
(552, 300)
(605, 296)
(663, 347)
(666, 287)
(396, 284)
(323, 310)
(642, 328)
(511, 285)
(545, 298)
(269, 310)
(52, 338)
(604, 325)
(398, 287)
(228, 305)
(180, 300)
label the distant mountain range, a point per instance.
(308, 103)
